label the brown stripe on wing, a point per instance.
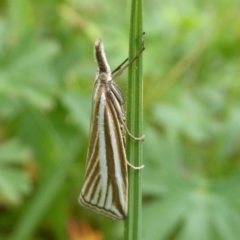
(117, 92)
(112, 114)
(93, 167)
(120, 145)
(95, 187)
(93, 127)
(91, 174)
(117, 108)
(109, 153)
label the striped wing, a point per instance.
(105, 184)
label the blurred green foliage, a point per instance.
(191, 179)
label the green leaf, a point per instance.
(14, 180)
(13, 151)
(79, 107)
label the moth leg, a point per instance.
(133, 137)
(133, 167)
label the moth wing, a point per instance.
(105, 187)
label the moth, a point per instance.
(105, 188)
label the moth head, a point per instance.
(103, 77)
(104, 71)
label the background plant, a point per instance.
(191, 116)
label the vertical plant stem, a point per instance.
(134, 123)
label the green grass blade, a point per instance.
(134, 123)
